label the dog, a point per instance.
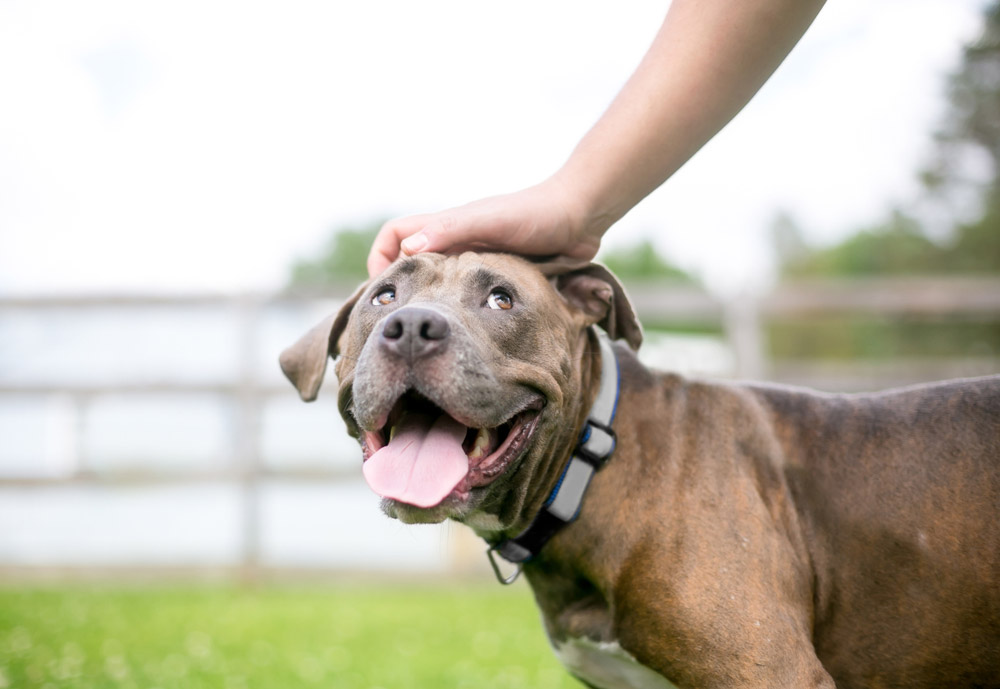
(739, 535)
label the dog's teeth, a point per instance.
(481, 444)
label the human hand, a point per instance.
(706, 62)
(542, 220)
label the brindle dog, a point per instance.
(740, 536)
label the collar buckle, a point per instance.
(597, 443)
(508, 579)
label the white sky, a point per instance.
(203, 144)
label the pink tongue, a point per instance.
(422, 463)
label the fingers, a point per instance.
(440, 232)
(385, 249)
(536, 222)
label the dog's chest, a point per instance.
(607, 665)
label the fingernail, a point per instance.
(414, 243)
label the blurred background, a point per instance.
(186, 187)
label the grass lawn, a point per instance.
(348, 637)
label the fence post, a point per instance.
(744, 330)
(64, 450)
(246, 441)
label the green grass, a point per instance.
(350, 637)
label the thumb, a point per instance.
(438, 235)
(415, 243)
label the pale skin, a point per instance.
(706, 62)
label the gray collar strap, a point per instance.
(596, 443)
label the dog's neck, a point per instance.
(594, 447)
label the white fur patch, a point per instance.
(607, 665)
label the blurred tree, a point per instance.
(975, 247)
(970, 132)
(898, 246)
(643, 262)
(964, 181)
(966, 165)
(895, 247)
(342, 261)
(965, 171)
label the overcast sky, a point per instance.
(204, 144)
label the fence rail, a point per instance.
(743, 322)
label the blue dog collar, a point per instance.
(595, 446)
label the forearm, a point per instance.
(706, 62)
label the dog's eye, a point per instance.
(386, 296)
(499, 299)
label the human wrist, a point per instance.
(587, 217)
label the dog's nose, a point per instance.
(414, 332)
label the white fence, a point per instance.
(142, 433)
(148, 432)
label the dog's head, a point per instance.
(465, 379)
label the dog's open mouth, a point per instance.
(423, 455)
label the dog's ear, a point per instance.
(593, 289)
(304, 363)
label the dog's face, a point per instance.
(461, 378)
